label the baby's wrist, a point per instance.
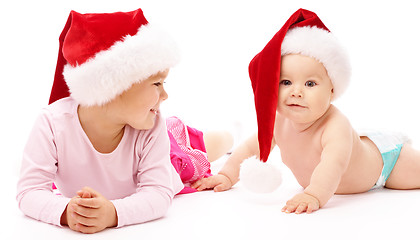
(227, 176)
(315, 195)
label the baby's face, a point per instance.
(305, 90)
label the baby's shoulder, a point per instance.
(336, 117)
(337, 124)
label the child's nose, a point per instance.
(164, 95)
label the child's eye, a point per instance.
(158, 84)
(285, 82)
(310, 84)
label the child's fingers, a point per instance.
(90, 191)
(84, 211)
(86, 221)
(84, 194)
(86, 229)
(88, 202)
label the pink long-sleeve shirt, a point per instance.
(137, 177)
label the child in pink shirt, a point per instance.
(106, 147)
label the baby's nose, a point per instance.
(296, 92)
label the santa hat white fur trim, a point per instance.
(113, 71)
(324, 47)
(259, 177)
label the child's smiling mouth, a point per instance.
(155, 111)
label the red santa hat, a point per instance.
(102, 54)
(305, 34)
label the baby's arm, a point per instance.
(337, 142)
(229, 175)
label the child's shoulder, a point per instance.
(61, 110)
(61, 107)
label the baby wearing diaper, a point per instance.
(295, 78)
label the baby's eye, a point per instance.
(310, 84)
(285, 82)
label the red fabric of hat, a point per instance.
(90, 34)
(264, 72)
(102, 54)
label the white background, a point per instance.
(210, 88)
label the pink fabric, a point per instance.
(188, 153)
(137, 177)
(187, 144)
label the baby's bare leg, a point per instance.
(217, 143)
(406, 173)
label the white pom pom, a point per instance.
(259, 177)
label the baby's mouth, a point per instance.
(155, 111)
(295, 105)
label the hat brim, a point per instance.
(323, 46)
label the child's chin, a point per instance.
(144, 126)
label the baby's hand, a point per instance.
(218, 182)
(301, 202)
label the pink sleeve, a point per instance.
(157, 184)
(39, 166)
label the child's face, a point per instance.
(139, 105)
(305, 90)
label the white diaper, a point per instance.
(389, 144)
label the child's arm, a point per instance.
(337, 142)
(39, 166)
(229, 175)
(157, 180)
